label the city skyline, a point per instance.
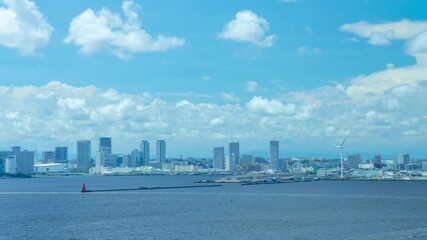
(299, 72)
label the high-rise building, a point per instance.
(378, 160)
(161, 151)
(246, 159)
(61, 154)
(105, 145)
(15, 149)
(403, 158)
(234, 154)
(25, 161)
(11, 164)
(145, 152)
(99, 161)
(353, 161)
(274, 154)
(218, 158)
(134, 159)
(83, 155)
(48, 156)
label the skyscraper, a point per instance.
(274, 154)
(353, 161)
(161, 151)
(234, 154)
(83, 155)
(403, 158)
(25, 161)
(218, 158)
(15, 149)
(61, 154)
(48, 156)
(105, 145)
(145, 152)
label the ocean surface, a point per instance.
(54, 208)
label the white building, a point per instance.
(11, 165)
(49, 168)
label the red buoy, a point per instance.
(83, 188)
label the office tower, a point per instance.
(218, 158)
(105, 145)
(61, 154)
(234, 154)
(134, 159)
(353, 161)
(25, 161)
(48, 156)
(403, 158)
(378, 161)
(99, 161)
(11, 164)
(145, 152)
(161, 151)
(15, 149)
(274, 154)
(246, 159)
(83, 155)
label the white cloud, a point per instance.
(23, 26)
(229, 97)
(251, 86)
(384, 33)
(262, 105)
(248, 27)
(105, 31)
(303, 51)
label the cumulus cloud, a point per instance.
(384, 33)
(23, 26)
(106, 31)
(58, 113)
(303, 51)
(248, 27)
(229, 97)
(251, 86)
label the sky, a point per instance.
(201, 74)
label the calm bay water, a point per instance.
(53, 208)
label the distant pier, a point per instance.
(84, 190)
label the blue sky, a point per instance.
(304, 72)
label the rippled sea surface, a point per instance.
(53, 208)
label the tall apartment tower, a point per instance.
(403, 158)
(61, 154)
(25, 161)
(83, 155)
(105, 145)
(145, 152)
(353, 161)
(161, 151)
(274, 154)
(234, 154)
(218, 158)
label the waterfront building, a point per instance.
(145, 152)
(105, 145)
(46, 168)
(134, 159)
(83, 155)
(161, 151)
(218, 158)
(15, 149)
(424, 166)
(228, 165)
(61, 154)
(274, 154)
(25, 162)
(11, 164)
(3, 156)
(48, 156)
(99, 161)
(403, 158)
(246, 159)
(353, 161)
(378, 161)
(234, 154)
